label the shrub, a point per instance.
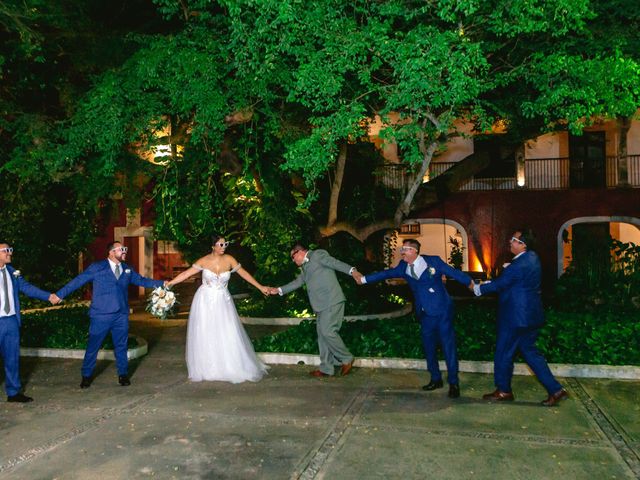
(61, 328)
(567, 337)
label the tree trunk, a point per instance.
(336, 186)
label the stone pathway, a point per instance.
(373, 423)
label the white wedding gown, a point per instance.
(218, 348)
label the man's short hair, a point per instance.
(111, 245)
(299, 246)
(412, 242)
(528, 237)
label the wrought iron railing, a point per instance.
(539, 174)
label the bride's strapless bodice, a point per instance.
(213, 280)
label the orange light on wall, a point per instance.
(476, 266)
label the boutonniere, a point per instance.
(127, 270)
(16, 273)
(432, 271)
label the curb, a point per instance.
(623, 372)
(408, 308)
(141, 350)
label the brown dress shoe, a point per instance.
(318, 373)
(555, 398)
(346, 368)
(499, 396)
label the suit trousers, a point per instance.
(99, 328)
(332, 349)
(509, 341)
(10, 353)
(436, 329)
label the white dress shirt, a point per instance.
(113, 266)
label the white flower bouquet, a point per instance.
(161, 302)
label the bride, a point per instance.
(218, 348)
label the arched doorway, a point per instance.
(597, 230)
(436, 236)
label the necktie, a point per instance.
(413, 272)
(117, 271)
(5, 282)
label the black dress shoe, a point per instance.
(454, 390)
(18, 397)
(433, 385)
(124, 380)
(86, 382)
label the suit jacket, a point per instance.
(429, 292)
(518, 288)
(21, 285)
(109, 295)
(319, 274)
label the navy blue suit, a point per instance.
(10, 331)
(434, 309)
(109, 311)
(520, 316)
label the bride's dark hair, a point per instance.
(215, 237)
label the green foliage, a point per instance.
(456, 258)
(259, 95)
(595, 287)
(360, 301)
(61, 328)
(605, 338)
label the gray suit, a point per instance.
(327, 301)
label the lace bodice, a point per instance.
(216, 281)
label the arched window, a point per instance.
(590, 236)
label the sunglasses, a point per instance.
(222, 244)
(517, 240)
(7, 249)
(293, 254)
(122, 249)
(406, 249)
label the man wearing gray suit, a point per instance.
(318, 273)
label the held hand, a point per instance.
(273, 291)
(265, 290)
(54, 299)
(357, 276)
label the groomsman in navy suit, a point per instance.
(12, 283)
(520, 316)
(433, 306)
(109, 311)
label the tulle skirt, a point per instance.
(218, 348)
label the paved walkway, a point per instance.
(370, 424)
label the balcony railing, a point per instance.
(539, 174)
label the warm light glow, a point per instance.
(161, 151)
(476, 266)
(521, 180)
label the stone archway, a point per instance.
(436, 242)
(560, 248)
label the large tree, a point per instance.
(264, 103)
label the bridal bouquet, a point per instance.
(161, 302)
